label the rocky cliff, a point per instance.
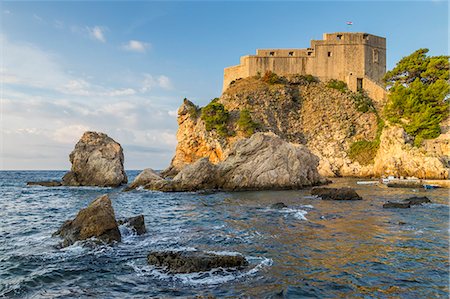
(342, 128)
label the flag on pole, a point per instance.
(349, 23)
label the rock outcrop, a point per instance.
(193, 261)
(136, 223)
(45, 184)
(407, 203)
(96, 221)
(398, 157)
(336, 193)
(396, 205)
(326, 120)
(97, 160)
(146, 176)
(263, 161)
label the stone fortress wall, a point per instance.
(359, 59)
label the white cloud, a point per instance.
(97, 33)
(136, 46)
(164, 82)
(37, 18)
(150, 82)
(69, 134)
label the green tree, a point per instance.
(215, 117)
(418, 94)
(245, 122)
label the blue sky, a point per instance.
(124, 67)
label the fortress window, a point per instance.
(291, 53)
(309, 53)
(271, 53)
(330, 54)
(375, 55)
(365, 36)
(339, 36)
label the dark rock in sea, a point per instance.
(406, 184)
(335, 193)
(45, 184)
(401, 223)
(194, 261)
(137, 223)
(399, 205)
(416, 200)
(278, 205)
(146, 176)
(97, 160)
(96, 221)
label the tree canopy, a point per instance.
(418, 94)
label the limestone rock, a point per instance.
(97, 160)
(146, 176)
(193, 261)
(398, 157)
(336, 193)
(137, 223)
(97, 220)
(263, 161)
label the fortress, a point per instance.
(359, 59)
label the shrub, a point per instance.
(337, 84)
(271, 78)
(364, 151)
(362, 102)
(192, 109)
(246, 124)
(215, 117)
(303, 79)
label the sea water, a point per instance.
(312, 249)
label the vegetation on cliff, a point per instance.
(418, 94)
(216, 117)
(364, 151)
(246, 124)
(338, 85)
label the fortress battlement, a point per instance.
(359, 59)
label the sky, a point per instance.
(123, 68)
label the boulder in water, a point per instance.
(194, 261)
(278, 206)
(336, 193)
(136, 223)
(146, 176)
(97, 160)
(95, 221)
(417, 200)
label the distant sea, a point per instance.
(313, 249)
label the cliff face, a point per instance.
(326, 120)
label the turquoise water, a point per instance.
(313, 249)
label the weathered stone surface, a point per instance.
(147, 176)
(97, 220)
(278, 205)
(263, 161)
(45, 183)
(137, 223)
(416, 200)
(97, 160)
(336, 193)
(398, 157)
(194, 261)
(396, 205)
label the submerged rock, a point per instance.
(45, 183)
(416, 200)
(136, 223)
(407, 203)
(336, 193)
(397, 205)
(95, 221)
(263, 161)
(97, 160)
(278, 205)
(194, 261)
(146, 176)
